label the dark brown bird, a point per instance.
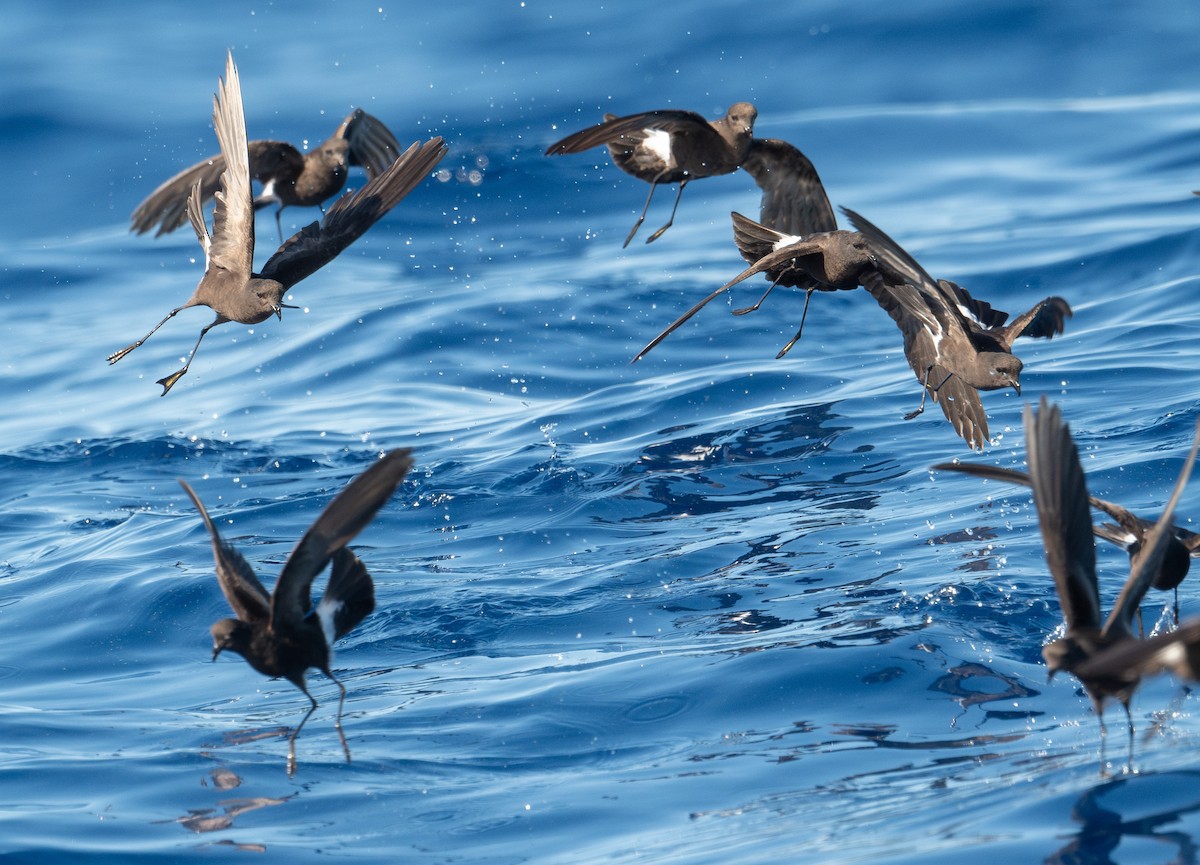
(668, 147)
(229, 286)
(955, 344)
(288, 176)
(281, 634)
(1128, 532)
(796, 243)
(1061, 498)
(816, 261)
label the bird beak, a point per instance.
(216, 651)
(1017, 387)
(280, 307)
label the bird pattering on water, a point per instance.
(280, 634)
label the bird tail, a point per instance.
(754, 240)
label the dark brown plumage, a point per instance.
(1061, 498)
(289, 177)
(229, 285)
(955, 344)
(668, 147)
(280, 634)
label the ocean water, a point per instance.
(710, 607)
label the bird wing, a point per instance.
(348, 514)
(372, 144)
(1060, 495)
(1142, 657)
(1148, 562)
(166, 206)
(315, 245)
(980, 311)
(793, 199)
(1043, 321)
(240, 586)
(233, 216)
(631, 128)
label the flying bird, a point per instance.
(229, 287)
(956, 345)
(1061, 498)
(668, 146)
(281, 634)
(289, 177)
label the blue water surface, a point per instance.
(709, 608)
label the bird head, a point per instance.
(229, 634)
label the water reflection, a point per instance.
(1103, 828)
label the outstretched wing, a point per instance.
(315, 245)
(631, 129)
(793, 200)
(347, 515)
(240, 586)
(1060, 494)
(372, 145)
(232, 246)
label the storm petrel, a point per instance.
(955, 344)
(229, 286)
(663, 147)
(1061, 498)
(288, 176)
(281, 634)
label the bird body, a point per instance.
(229, 285)
(281, 634)
(288, 176)
(668, 146)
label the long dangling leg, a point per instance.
(759, 302)
(678, 195)
(642, 218)
(291, 761)
(795, 339)
(926, 389)
(337, 724)
(169, 382)
(117, 355)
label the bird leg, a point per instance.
(795, 339)
(169, 381)
(678, 195)
(926, 389)
(642, 218)
(759, 302)
(337, 725)
(291, 760)
(117, 355)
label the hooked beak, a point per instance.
(1017, 387)
(280, 307)
(216, 651)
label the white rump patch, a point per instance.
(786, 240)
(327, 610)
(1173, 655)
(658, 142)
